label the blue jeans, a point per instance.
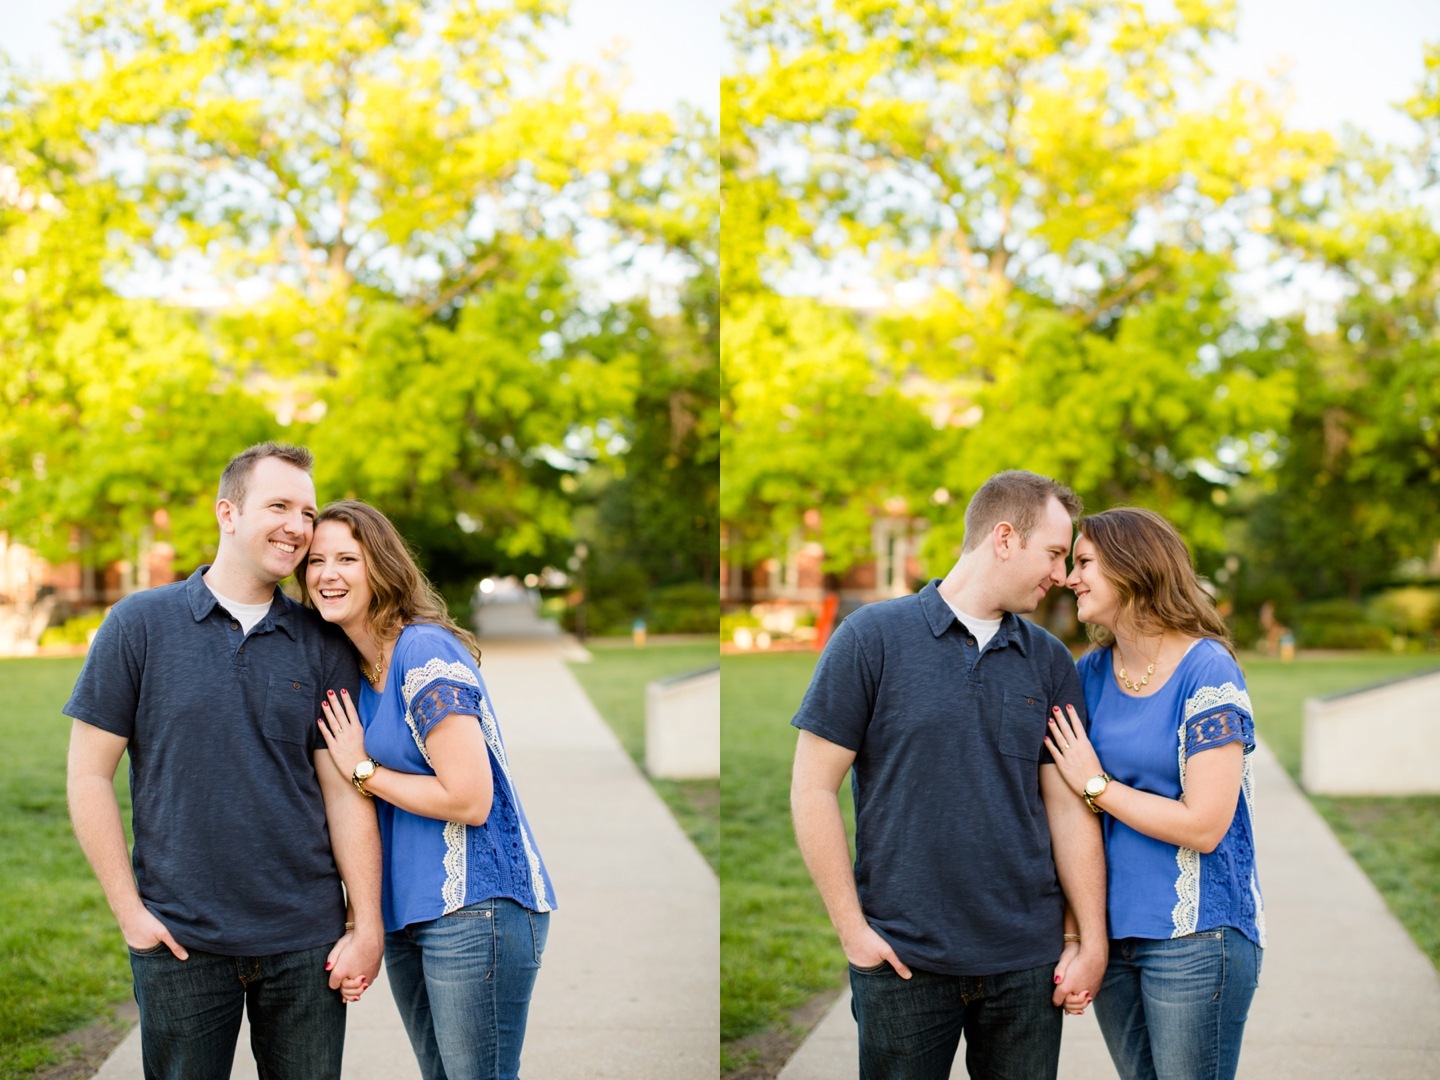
(910, 1028)
(1176, 1009)
(463, 985)
(190, 1014)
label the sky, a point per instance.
(673, 55)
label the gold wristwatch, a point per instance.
(1094, 788)
(364, 771)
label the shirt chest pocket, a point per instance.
(289, 709)
(1022, 724)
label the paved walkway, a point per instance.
(1344, 991)
(630, 986)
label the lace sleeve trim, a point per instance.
(1218, 728)
(442, 699)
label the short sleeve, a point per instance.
(841, 697)
(107, 693)
(440, 678)
(1068, 691)
(1217, 709)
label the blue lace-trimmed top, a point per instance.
(1160, 890)
(434, 867)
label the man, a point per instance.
(242, 834)
(952, 917)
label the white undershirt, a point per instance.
(983, 629)
(247, 615)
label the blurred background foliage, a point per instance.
(963, 237)
(486, 301)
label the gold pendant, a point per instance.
(1134, 686)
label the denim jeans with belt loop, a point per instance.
(1175, 1009)
(463, 985)
(190, 1012)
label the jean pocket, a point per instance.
(154, 950)
(539, 931)
(483, 909)
(876, 970)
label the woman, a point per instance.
(1166, 761)
(466, 897)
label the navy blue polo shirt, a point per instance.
(232, 852)
(952, 846)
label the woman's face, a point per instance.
(1096, 600)
(335, 575)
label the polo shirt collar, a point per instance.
(202, 601)
(941, 615)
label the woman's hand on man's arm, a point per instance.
(1198, 820)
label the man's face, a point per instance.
(1039, 563)
(271, 532)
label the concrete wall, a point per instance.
(682, 726)
(1375, 741)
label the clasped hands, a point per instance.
(354, 962)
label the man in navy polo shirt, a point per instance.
(242, 838)
(976, 902)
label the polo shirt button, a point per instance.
(241, 649)
(969, 641)
(297, 686)
(234, 626)
(1028, 700)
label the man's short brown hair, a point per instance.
(1018, 497)
(235, 480)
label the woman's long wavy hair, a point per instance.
(399, 593)
(1144, 557)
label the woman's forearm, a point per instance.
(427, 796)
(1200, 819)
(1170, 820)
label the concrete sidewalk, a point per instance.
(630, 986)
(1344, 991)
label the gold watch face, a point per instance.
(1095, 785)
(365, 770)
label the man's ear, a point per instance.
(225, 513)
(1005, 539)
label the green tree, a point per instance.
(1035, 168)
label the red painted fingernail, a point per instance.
(329, 966)
(1057, 978)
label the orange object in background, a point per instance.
(826, 622)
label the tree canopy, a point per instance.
(964, 237)
(415, 238)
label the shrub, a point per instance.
(693, 608)
(76, 631)
(1339, 624)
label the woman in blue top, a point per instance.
(466, 898)
(1166, 761)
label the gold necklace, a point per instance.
(1134, 686)
(379, 669)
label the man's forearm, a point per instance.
(1079, 853)
(820, 832)
(95, 816)
(355, 841)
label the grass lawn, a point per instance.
(62, 960)
(778, 950)
(615, 681)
